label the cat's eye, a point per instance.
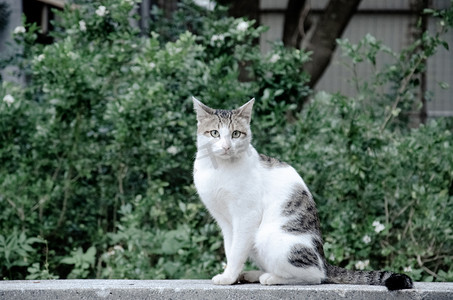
(236, 134)
(214, 133)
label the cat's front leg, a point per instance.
(231, 273)
(241, 244)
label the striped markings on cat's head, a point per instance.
(223, 133)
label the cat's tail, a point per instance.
(392, 281)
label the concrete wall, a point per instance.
(204, 289)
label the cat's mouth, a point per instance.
(225, 153)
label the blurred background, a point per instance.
(396, 23)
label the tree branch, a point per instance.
(295, 15)
(329, 27)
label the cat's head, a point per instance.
(223, 133)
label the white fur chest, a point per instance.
(228, 185)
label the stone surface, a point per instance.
(204, 289)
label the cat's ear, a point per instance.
(202, 110)
(245, 110)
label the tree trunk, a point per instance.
(418, 29)
(294, 21)
(249, 8)
(329, 27)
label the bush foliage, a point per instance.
(96, 151)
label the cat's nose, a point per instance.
(226, 145)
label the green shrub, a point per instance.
(383, 196)
(96, 151)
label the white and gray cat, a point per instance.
(264, 209)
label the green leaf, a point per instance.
(68, 260)
(396, 112)
(444, 85)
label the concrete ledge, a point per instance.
(204, 289)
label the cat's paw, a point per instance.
(250, 276)
(269, 279)
(223, 279)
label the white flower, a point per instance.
(82, 26)
(152, 65)
(366, 239)
(361, 265)
(101, 11)
(8, 99)
(331, 257)
(217, 37)
(172, 150)
(40, 57)
(370, 39)
(274, 58)
(408, 269)
(19, 30)
(378, 227)
(242, 26)
(207, 4)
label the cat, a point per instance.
(264, 209)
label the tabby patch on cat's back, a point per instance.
(271, 162)
(264, 209)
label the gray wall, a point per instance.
(15, 6)
(389, 21)
(393, 25)
(15, 19)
